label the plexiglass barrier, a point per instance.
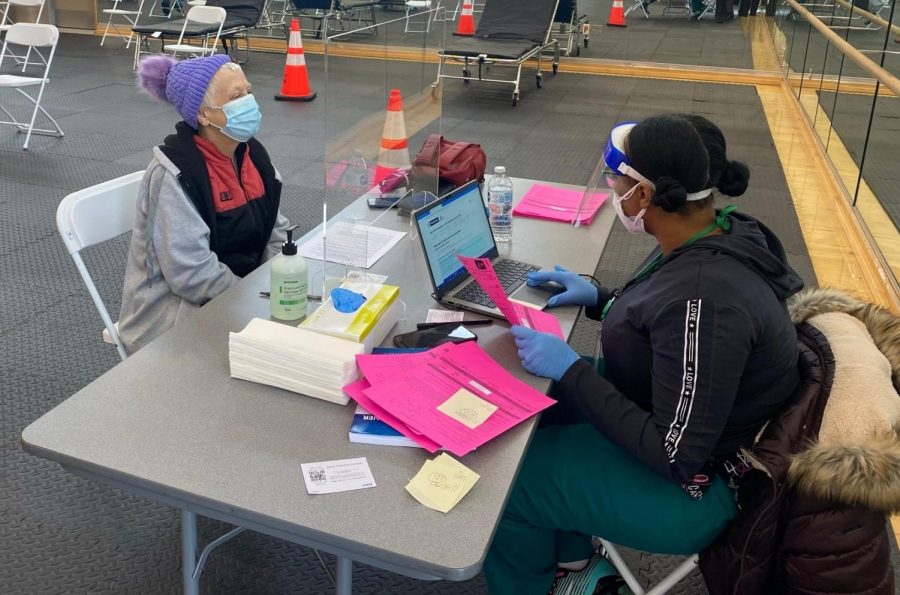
(855, 115)
(379, 111)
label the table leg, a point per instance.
(190, 582)
(343, 576)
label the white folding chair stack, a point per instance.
(93, 216)
(200, 15)
(129, 16)
(31, 36)
(660, 588)
(6, 22)
(412, 7)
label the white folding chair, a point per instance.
(93, 216)
(412, 7)
(6, 22)
(200, 15)
(31, 36)
(166, 12)
(660, 588)
(129, 16)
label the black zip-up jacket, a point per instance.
(238, 237)
(699, 353)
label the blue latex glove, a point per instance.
(543, 354)
(579, 291)
(346, 301)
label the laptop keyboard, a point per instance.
(511, 274)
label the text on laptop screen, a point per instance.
(458, 224)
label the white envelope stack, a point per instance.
(294, 359)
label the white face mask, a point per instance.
(633, 223)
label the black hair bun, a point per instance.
(734, 179)
(670, 194)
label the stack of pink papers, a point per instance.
(453, 397)
(558, 204)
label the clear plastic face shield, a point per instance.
(615, 161)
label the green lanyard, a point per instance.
(721, 222)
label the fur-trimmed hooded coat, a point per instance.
(826, 472)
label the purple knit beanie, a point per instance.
(182, 83)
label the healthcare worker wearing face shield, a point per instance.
(699, 353)
(208, 206)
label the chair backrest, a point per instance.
(35, 35)
(25, 2)
(313, 4)
(517, 19)
(206, 15)
(93, 216)
(99, 213)
(565, 11)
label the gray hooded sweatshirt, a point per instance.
(171, 270)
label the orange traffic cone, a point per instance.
(616, 15)
(394, 154)
(295, 84)
(466, 25)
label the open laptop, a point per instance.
(458, 224)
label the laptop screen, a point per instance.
(455, 224)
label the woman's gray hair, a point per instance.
(216, 83)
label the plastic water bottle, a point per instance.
(500, 199)
(358, 174)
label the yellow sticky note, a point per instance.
(467, 409)
(441, 483)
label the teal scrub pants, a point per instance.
(575, 483)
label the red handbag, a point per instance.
(454, 162)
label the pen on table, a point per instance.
(315, 298)
(475, 322)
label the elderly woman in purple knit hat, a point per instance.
(207, 210)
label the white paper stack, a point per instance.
(294, 359)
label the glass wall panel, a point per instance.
(662, 31)
(878, 194)
(380, 109)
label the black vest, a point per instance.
(238, 237)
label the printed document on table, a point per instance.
(416, 395)
(482, 270)
(342, 475)
(352, 244)
(444, 316)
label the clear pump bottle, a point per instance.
(288, 282)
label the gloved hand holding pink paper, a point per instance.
(515, 312)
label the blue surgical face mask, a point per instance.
(242, 118)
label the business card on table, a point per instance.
(343, 475)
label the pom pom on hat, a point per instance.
(186, 81)
(153, 73)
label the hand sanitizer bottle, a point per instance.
(288, 282)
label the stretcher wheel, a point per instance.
(515, 99)
(555, 67)
(540, 81)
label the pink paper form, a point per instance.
(516, 313)
(413, 397)
(558, 204)
(384, 366)
(356, 391)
